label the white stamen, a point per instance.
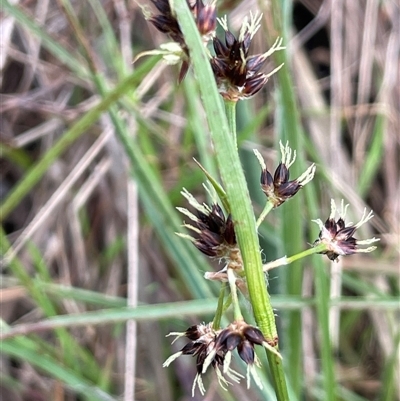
(177, 334)
(207, 362)
(260, 159)
(193, 201)
(189, 227)
(365, 218)
(232, 374)
(186, 236)
(251, 27)
(286, 152)
(343, 211)
(221, 379)
(171, 359)
(319, 222)
(275, 47)
(187, 213)
(333, 209)
(223, 22)
(307, 176)
(366, 250)
(274, 71)
(211, 192)
(251, 369)
(199, 381)
(368, 241)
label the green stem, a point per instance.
(220, 308)
(236, 188)
(230, 108)
(287, 260)
(232, 284)
(268, 207)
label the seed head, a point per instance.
(338, 236)
(214, 348)
(205, 18)
(237, 74)
(278, 189)
(214, 235)
(202, 345)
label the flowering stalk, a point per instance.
(236, 190)
(220, 307)
(235, 301)
(335, 238)
(267, 208)
(287, 260)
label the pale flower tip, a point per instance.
(367, 250)
(275, 70)
(253, 372)
(338, 236)
(221, 380)
(171, 359)
(260, 159)
(286, 152)
(307, 176)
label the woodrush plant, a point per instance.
(226, 230)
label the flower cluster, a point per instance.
(206, 20)
(237, 74)
(214, 348)
(214, 235)
(338, 237)
(278, 189)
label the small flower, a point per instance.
(279, 189)
(243, 337)
(214, 235)
(338, 237)
(214, 348)
(205, 18)
(205, 15)
(237, 74)
(202, 345)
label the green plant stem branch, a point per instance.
(220, 308)
(245, 229)
(236, 188)
(268, 207)
(232, 284)
(287, 260)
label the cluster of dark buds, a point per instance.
(214, 348)
(279, 189)
(214, 234)
(237, 74)
(206, 20)
(338, 237)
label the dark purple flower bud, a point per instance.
(237, 75)
(338, 239)
(214, 235)
(279, 189)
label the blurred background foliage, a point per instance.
(94, 153)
